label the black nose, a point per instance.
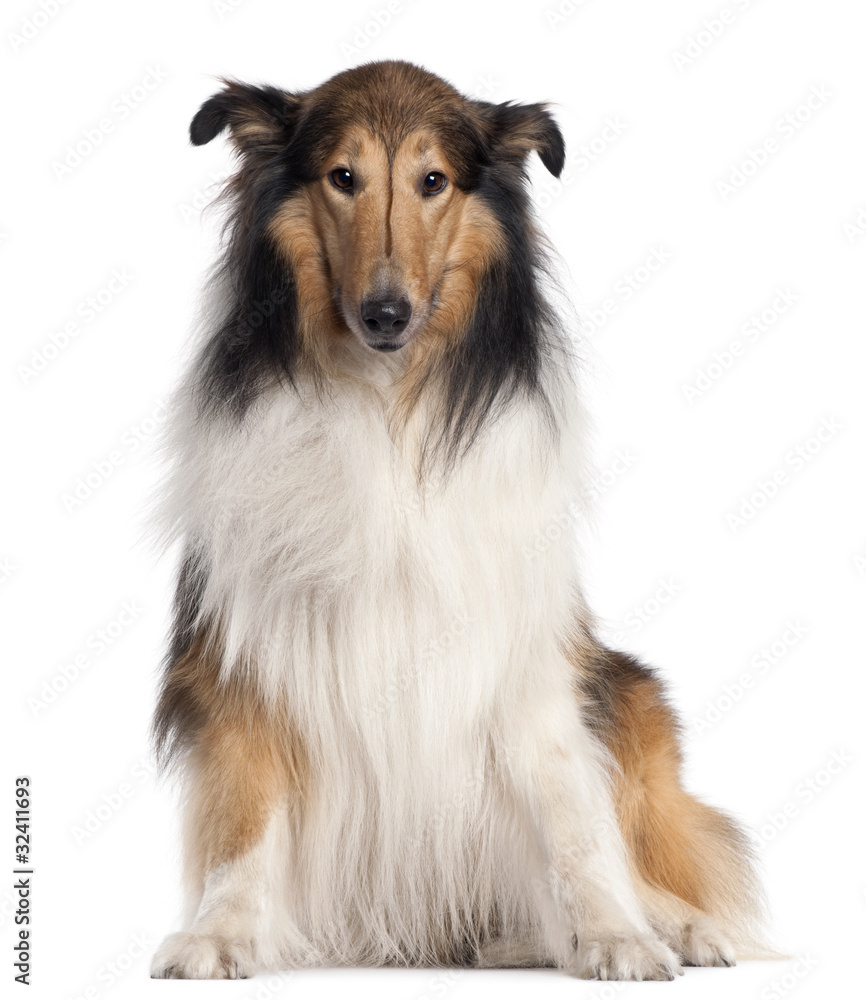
(386, 315)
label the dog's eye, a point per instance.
(434, 182)
(342, 179)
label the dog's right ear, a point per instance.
(259, 118)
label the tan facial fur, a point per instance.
(386, 238)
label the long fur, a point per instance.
(399, 739)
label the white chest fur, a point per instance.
(328, 559)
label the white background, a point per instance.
(105, 843)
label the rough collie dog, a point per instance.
(399, 739)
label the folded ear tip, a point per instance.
(531, 126)
(553, 156)
(199, 134)
(207, 123)
(552, 149)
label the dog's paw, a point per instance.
(202, 956)
(704, 944)
(626, 956)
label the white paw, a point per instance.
(626, 956)
(704, 944)
(202, 956)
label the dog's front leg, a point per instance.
(239, 780)
(221, 942)
(560, 780)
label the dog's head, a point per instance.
(384, 192)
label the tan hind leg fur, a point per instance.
(691, 863)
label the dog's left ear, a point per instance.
(519, 128)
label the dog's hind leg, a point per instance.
(694, 935)
(692, 862)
